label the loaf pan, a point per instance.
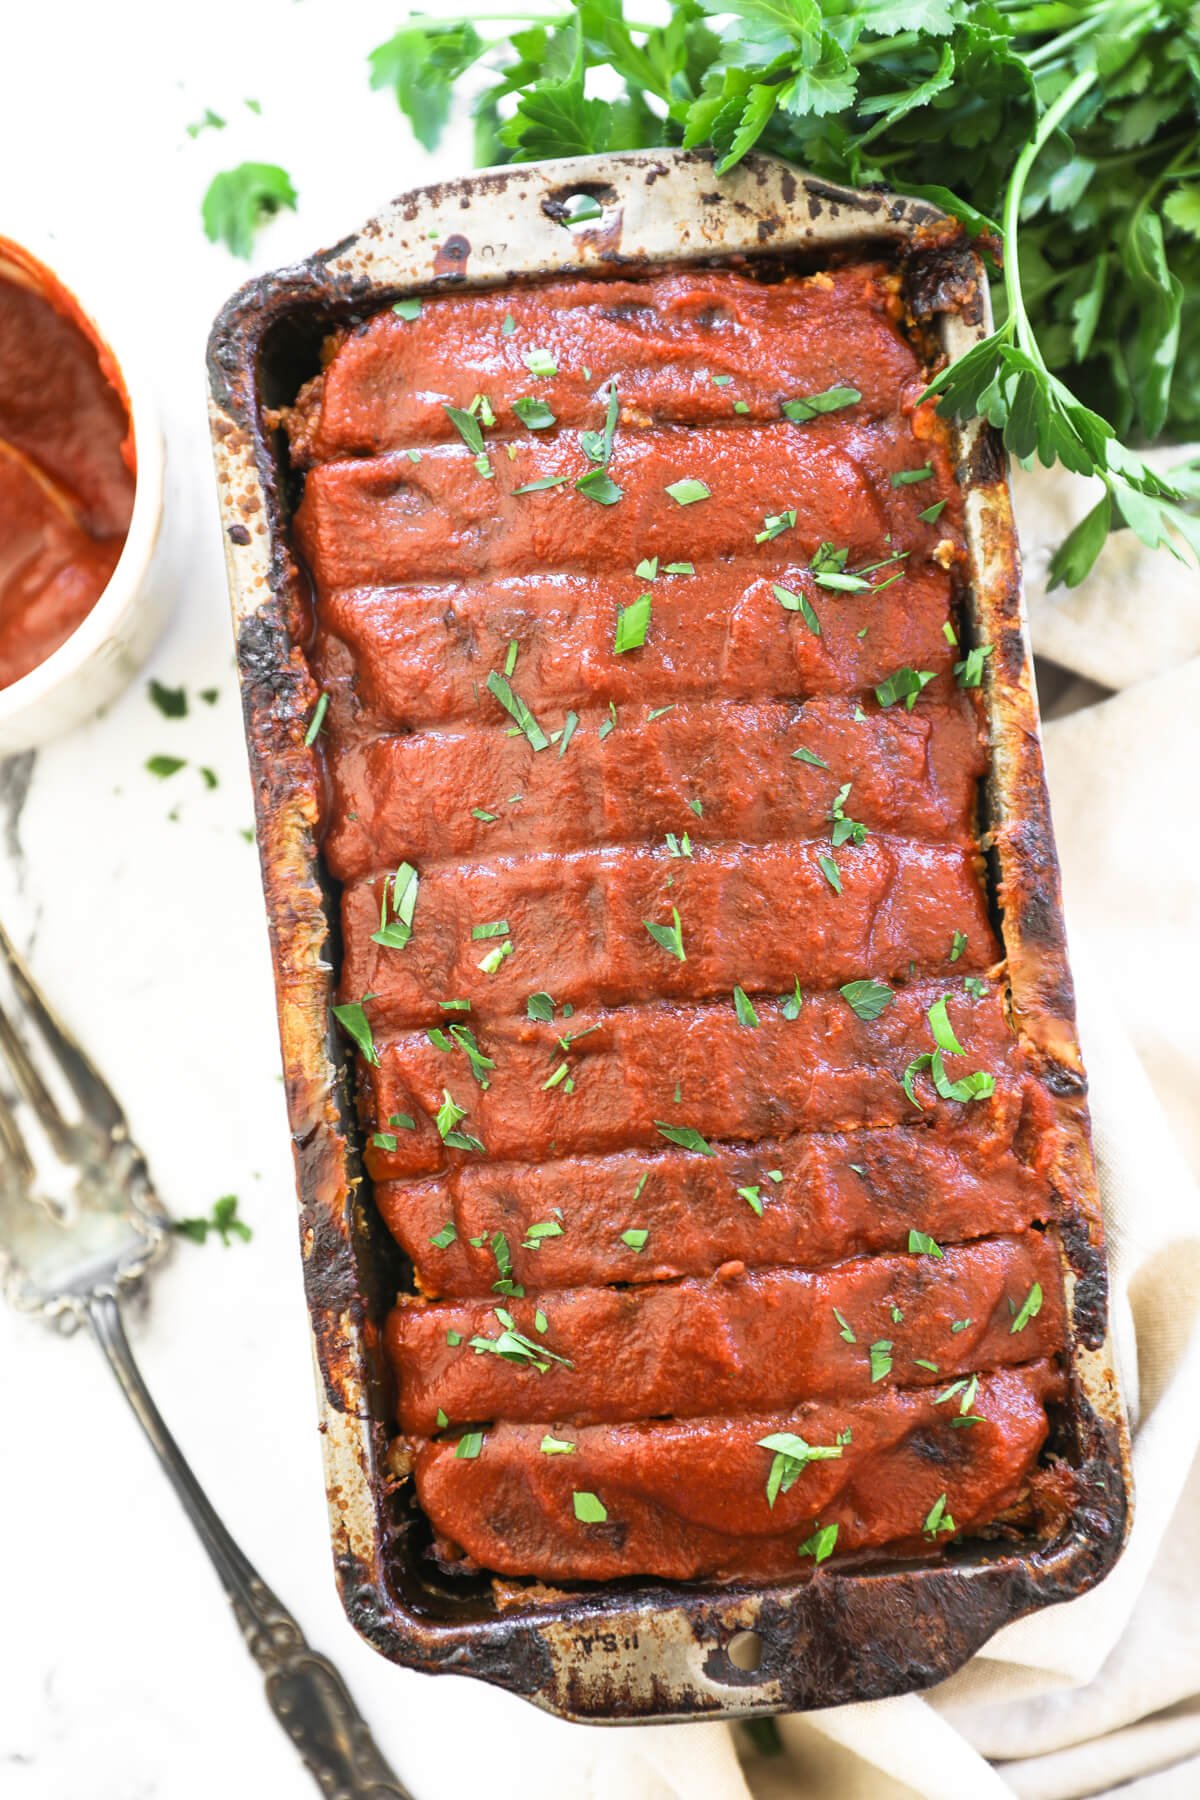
(647, 1650)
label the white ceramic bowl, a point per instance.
(109, 646)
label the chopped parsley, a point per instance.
(598, 485)
(171, 702)
(679, 846)
(1031, 1306)
(906, 684)
(469, 1445)
(513, 1346)
(446, 1236)
(447, 1118)
(467, 427)
(974, 986)
(633, 622)
(541, 1229)
(831, 872)
(809, 756)
(937, 1519)
(774, 524)
(513, 705)
(647, 569)
(969, 672)
(821, 1544)
(317, 720)
(687, 491)
(753, 1198)
(744, 1009)
(552, 1446)
(668, 937)
(535, 415)
(354, 1022)
(222, 1220)
(921, 1244)
(906, 477)
(867, 998)
(495, 956)
(539, 362)
(797, 603)
(494, 928)
(957, 945)
(635, 1238)
(383, 1140)
(933, 513)
(791, 1003)
(165, 766)
(541, 484)
(845, 830)
(880, 1354)
(792, 1456)
(402, 1121)
(588, 1509)
(680, 568)
(597, 445)
(844, 1331)
(539, 1007)
(685, 1136)
(407, 309)
(809, 406)
(402, 887)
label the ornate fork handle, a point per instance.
(304, 1690)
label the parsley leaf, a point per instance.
(222, 1220)
(810, 405)
(684, 1136)
(867, 998)
(792, 1456)
(633, 622)
(239, 200)
(668, 937)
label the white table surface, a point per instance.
(122, 1675)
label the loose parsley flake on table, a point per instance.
(222, 1220)
(240, 200)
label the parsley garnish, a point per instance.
(539, 486)
(598, 485)
(597, 445)
(906, 684)
(792, 1456)
(933, 513)
(921, 1244)
(354, 1022)
(810, 756)
(831, 872)
(845, 830)
(969, 671)
(317, 720)
(448, 1115)
(867, 998)
(633, 622)
(906, 477)
(535, 415)
(469, 1445)
(957, 945)
(540, 363)
(517, 709)
(407, 309)
(536, 1233)
(494, 928)
(539, 1007)
(588, 1509)
(668, 937)
(467, 427)
(239, 200)
(791, 1003)
(635, 1238)
(552, 1446)
(446, 1236)
(222, 1220)
(937, 1519)
(685, 1136)
(688, 490)
(171, 702)
(165, 766)
(844, 1331)
(774, 524)
(753, 1198)
(1031, 1306)
(744, 1009)
(810, 405)
(821, 1544)
(394, 933)
(797, 603)
(880, 1354)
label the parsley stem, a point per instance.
(1049, 123)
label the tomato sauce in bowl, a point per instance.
(67, 464)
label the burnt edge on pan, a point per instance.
(649, 1649)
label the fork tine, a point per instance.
(96, 1098)
(30, 1083)
(12, 1144)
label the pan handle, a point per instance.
(303, 1688)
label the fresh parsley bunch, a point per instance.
(1072, 128)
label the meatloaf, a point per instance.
(688, 1074)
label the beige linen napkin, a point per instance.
(1103, 1693)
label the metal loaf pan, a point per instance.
(645, 1650)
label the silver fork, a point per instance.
(80, 1226)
